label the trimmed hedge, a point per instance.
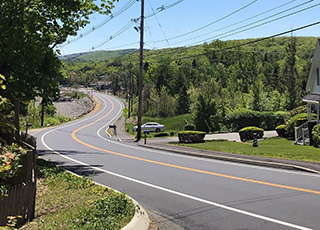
(281, 130)
(191, 136)
(316, 136)
(245, 118)
(247, 133)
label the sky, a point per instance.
(176, 23)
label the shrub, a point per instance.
(281, 130)
(247, 133)
(296, 121)
(316, 136)
(244, 118)
(191, 136)
(161, 134)
(189, 127)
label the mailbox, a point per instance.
(146, 131)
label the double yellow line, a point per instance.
(182, 167)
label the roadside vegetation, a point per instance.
(271, 147)
(65, 201)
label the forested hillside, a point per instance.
(219, 77)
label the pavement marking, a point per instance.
(265, 218)
(162, 188)
(182, 167)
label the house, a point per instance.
(312, 98)
(313, 84)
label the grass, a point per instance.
(65, 201)
(272, 147)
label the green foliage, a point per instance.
(281, 130)
(296, 121)
(205, 114)
(247, 133)
(108, 213)
(191, 136)
(76, 94)
(316, 136)
(242, 118)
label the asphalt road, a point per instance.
(191, 192)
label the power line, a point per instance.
(214, 22)
(159, 25)
(229, 33)
(228, 26)
(95, 28)
(251, 42)
(235, 31)
(132, 21)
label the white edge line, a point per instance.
(179, 193)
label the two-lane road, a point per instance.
(194, 193)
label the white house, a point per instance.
(313, 84)
(312, 99)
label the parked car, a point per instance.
(151, 126)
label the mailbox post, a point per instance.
(114, 127)
(255, 140)
(145, 135)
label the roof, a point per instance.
(313, 98)
(315, 64)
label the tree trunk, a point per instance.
(42, 114)
(16, 119)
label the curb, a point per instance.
(236, 159)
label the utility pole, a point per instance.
(130, 89)
(140, 72)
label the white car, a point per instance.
(151, 126)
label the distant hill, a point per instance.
(97, 56)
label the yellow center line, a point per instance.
(182, 167)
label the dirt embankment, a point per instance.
(73, 107)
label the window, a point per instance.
(318, 77)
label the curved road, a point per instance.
(193, 193)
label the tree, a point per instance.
(290, 72)
(28, 29)
(205, 109)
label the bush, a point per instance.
(161, 134)
(245, 118)
(316, 136)
(189, 127)
(247, 133)
(191, 136)
(296, 121)
(281, 130)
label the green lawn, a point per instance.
(272, 147)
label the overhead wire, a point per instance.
(133, 21)
(159, 24)
(229, 33)
(239, 22)
(251, 42)
(95, 28)
(214, 22)
(243, 28)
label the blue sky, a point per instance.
(189, 22)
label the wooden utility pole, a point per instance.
(140, 72)
(130, 89)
